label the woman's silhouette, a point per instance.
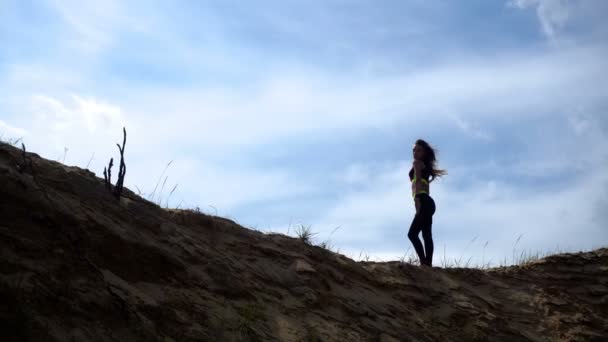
(423, 172)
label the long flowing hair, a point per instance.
(430, 160)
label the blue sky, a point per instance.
(280, 113)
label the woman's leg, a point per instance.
(427, 234)
(415, 228)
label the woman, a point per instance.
(423, 172)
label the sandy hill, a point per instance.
(79, 265)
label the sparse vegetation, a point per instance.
(483, 256)
(519, 258)
(526, 257)
(304, 233)
(10, 141)
(170, 194)
(365, 256)
(153, 193)
(249, 315)
(65, 153)
(409, 257)
(90, 160)
(327, 244)
(459, 262)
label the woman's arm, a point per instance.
(420, 183)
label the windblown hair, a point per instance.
(430, 162)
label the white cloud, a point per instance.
(10, 132)
(207, 183)
(83, 125)
(216, 122)
(297, 104)
(580, 124)
(62, 118)
(91, 22)
(94, 25)
(31, 76)
(361, 212)
(472, 130)
(356, 174)
(552, 14)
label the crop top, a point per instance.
(424, 179)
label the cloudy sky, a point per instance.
(281, 113)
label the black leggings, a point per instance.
(423, 221)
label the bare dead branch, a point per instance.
(123, 167)
(107, 176)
